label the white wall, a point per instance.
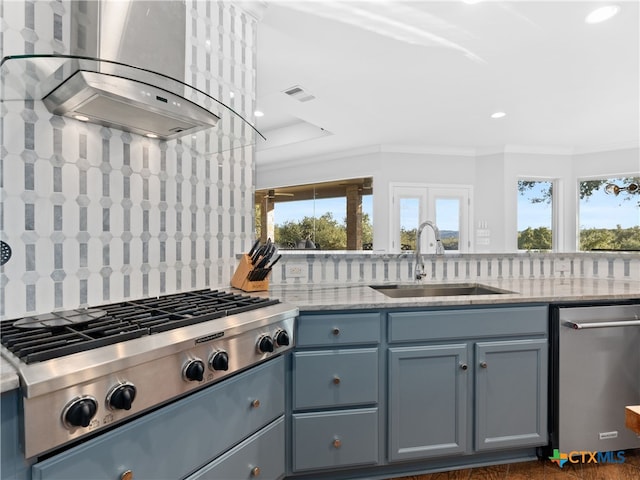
(490, 202)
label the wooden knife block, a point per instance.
(240, 277)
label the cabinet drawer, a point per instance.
(153, 446)
(335, 378)
(338, 329)
(335, 439)
(477, 323)
(260, 455)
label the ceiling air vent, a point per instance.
(299, 94)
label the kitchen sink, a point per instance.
(437, 290)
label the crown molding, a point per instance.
(609, 148)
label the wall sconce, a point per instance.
(613, 189)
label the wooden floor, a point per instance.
(545, 469)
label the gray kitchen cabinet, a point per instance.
(438, 399)
(158, 445)
(261, 455)
(428, 395)
(404, 390)
(336, 438)
(511, 394)
(335, 378)
(335, 391)
(337, 329)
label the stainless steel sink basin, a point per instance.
(437, 290)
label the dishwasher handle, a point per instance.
(621, 323)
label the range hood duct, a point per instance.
(147, 35)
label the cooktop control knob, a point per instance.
(219, 360)
(79, 412)
(265, 344)
(121, 396)
(193, 371)
(281, 338)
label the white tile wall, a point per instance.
(95, 215)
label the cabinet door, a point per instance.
(511, 394)
(428, 391)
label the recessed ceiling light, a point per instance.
(601, 14)
(82, 118)
(151, 135)
(498, 115)
(258, 113)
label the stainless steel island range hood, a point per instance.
(126, 69)
(148, 36)
(129, 105)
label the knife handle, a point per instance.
(253, 248)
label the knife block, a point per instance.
(240, 277)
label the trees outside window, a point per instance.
(535, 215)
(329, 216)
(609, 214)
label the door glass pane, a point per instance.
(448, 222)
(409, 221)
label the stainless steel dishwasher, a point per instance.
(595, 373)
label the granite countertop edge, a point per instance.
(327, 297)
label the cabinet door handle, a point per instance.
(127, 475)
(336, 380)
(255, 471)
(483, 364)
(464, 366)
(337, 443)
(335, 331)
(255, 403)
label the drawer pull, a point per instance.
(255, 403)
(255, 472)
(128, 475)
(464, 366)
(335, 331)
(336, 380)
(337, 443)
(483, 364)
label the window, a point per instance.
(535, 214)
(329, 216)
(609, 214)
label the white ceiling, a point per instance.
(427, 75)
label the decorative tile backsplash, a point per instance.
(95, 215)
(330, 268)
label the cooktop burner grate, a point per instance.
(40, 338)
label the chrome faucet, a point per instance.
(420, 273)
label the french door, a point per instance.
(447, 206)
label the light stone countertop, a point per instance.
(8, 377)
(356, 296)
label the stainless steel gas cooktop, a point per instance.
(85, 370)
